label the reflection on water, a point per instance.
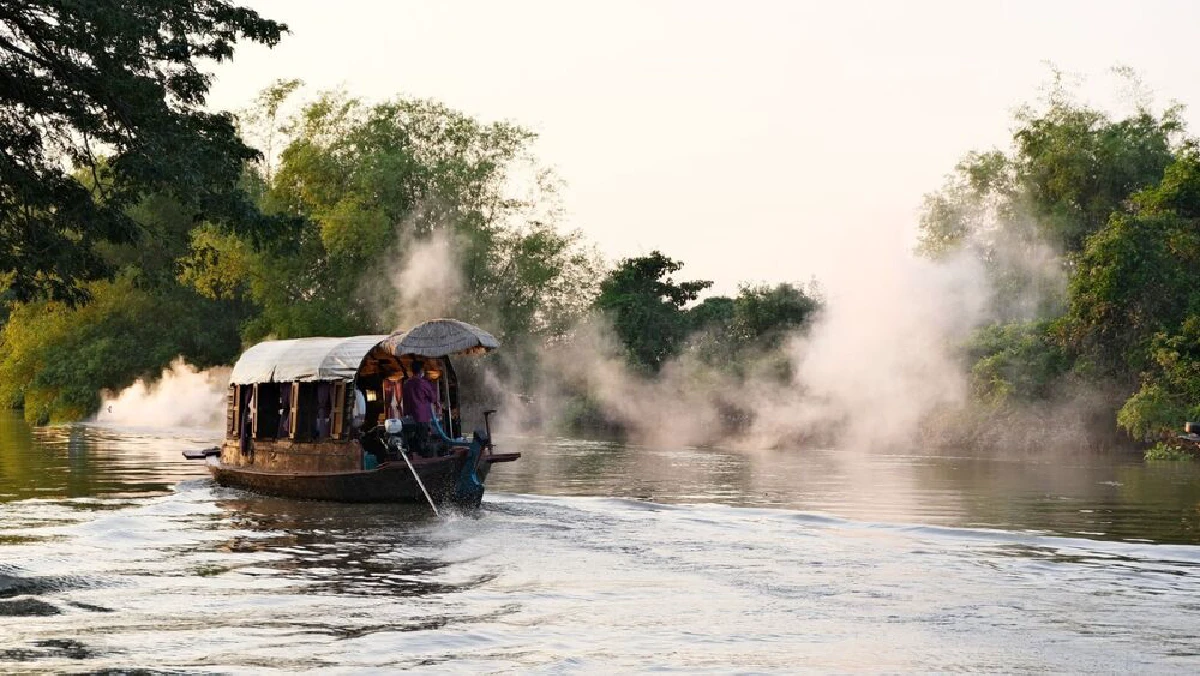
(1110, 496)
(593, 556)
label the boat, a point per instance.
(323, 419)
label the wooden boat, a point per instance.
(322, 419)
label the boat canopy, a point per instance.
(302, 360)
(325, 359)
(440, 337)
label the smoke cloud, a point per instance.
(879, 358)
(421, 276)
(183, 396)
(883, 365)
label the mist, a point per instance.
(182, 396)
(877, 360)
(883, 365)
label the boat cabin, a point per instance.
(312, 404)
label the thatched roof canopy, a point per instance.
(439, 338)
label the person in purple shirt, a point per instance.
(419, 398)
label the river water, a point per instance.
(117, 555)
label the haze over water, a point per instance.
(596, 556)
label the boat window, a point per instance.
(267, 410)
(313, 402)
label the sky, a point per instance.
(754, 141)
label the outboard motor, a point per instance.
(468, 490)
(393, 437)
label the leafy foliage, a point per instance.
(368, 187)
(1018, 362)
(646, 307)
(54, 358)
(1070, 167)
(1170, 387)
(1166, 452)
(748, 329)
(82, 80)
(361, 192)
(1027, 213)
(1116, 203)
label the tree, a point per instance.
(764, 314)
(1135, 305)
(646, 307)
(371, 190)
(1137, 276)
(744, 333)
(1170, 389)
(112, 87)
(1086, 227)
(1018, 362)
(55, 358)
(1077, 166)
(1027, 213)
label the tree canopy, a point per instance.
(646, 307)
(1111, 206)
(649, 313)
(102, 102)
(369, 188)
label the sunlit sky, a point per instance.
(755, 141)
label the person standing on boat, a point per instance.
(420, 397)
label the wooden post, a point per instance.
(255, 412)
(294, 407)
(337, 410)
(232, 404)
(446, 405)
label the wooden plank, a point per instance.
(254, 407)
(231, 411)
(293, 412)
(338, 413)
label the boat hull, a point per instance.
(390, 482)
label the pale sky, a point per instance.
(755, 141)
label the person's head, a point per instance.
(418, 367)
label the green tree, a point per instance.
(646, 307)
(1137, 276)
(1105, 205)
(366, 187)
(1170, 389)
(118, 80)
(1135, 305)
(1069, 168)
(763, 315)
(1018, 362)
(1027, 213)
(55, 358)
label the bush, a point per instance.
(1167, 452)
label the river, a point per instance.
(117, 555)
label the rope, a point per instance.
(419, 482)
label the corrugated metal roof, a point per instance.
(303, 360)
